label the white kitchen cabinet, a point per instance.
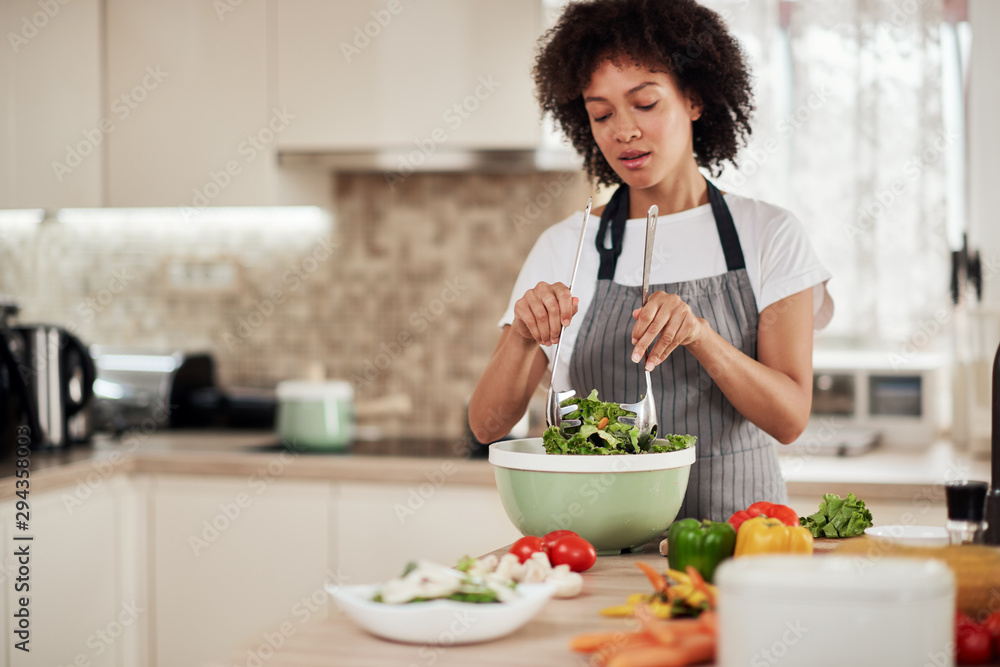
(186, 87)
(51, 139)
(383, 526)
(77, 615)
(395, 74)
(236, 562)
(195, 126)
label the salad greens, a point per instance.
(838, 517)
(613, 438)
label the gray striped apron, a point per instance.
(736, 461)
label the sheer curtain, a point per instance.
(850, 135)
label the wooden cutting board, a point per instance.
(827, 544)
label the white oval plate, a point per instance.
(440, 621)
(915, 535)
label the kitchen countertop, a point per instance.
(543, 642)
(882, 474)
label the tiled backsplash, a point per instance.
(400, 293)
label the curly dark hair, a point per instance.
(687, 40)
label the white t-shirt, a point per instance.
(780, 260)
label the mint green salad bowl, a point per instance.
(615, 502)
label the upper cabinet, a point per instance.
(396, 74)
(189, 103)
(52, 130)
(187, 88)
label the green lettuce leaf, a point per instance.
(614, 438)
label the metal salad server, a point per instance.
(645, 409)
(554, 411)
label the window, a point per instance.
(859, 130)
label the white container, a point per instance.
(315, 415)
(835, 610)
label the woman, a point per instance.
(648, 91)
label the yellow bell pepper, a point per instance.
(763, 535)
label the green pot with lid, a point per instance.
(316, 415)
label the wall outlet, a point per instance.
(215, 275)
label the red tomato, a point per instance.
(992, 623)
(962, 619)
(973, 644)
(526, 546)
(550, 539)
(574, 551)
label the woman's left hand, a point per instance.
(667, 316)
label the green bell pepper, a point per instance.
(701, 544)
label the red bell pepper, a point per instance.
(782, 513)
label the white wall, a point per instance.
(984, 138)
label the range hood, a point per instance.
(405, 161)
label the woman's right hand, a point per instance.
(541, 313)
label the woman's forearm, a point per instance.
(774, 391)
(502, 394)
(769, 398)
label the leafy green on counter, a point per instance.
(838, 517)
(613, 438)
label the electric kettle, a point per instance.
(46, 384)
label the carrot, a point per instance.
(591, 641)
(709, 619)
(629, 642)
(658, 580)
(699, 584)
(690, 651)
(669, 632)
(601, 424)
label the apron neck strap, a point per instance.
(731, 247)
(615, 216)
